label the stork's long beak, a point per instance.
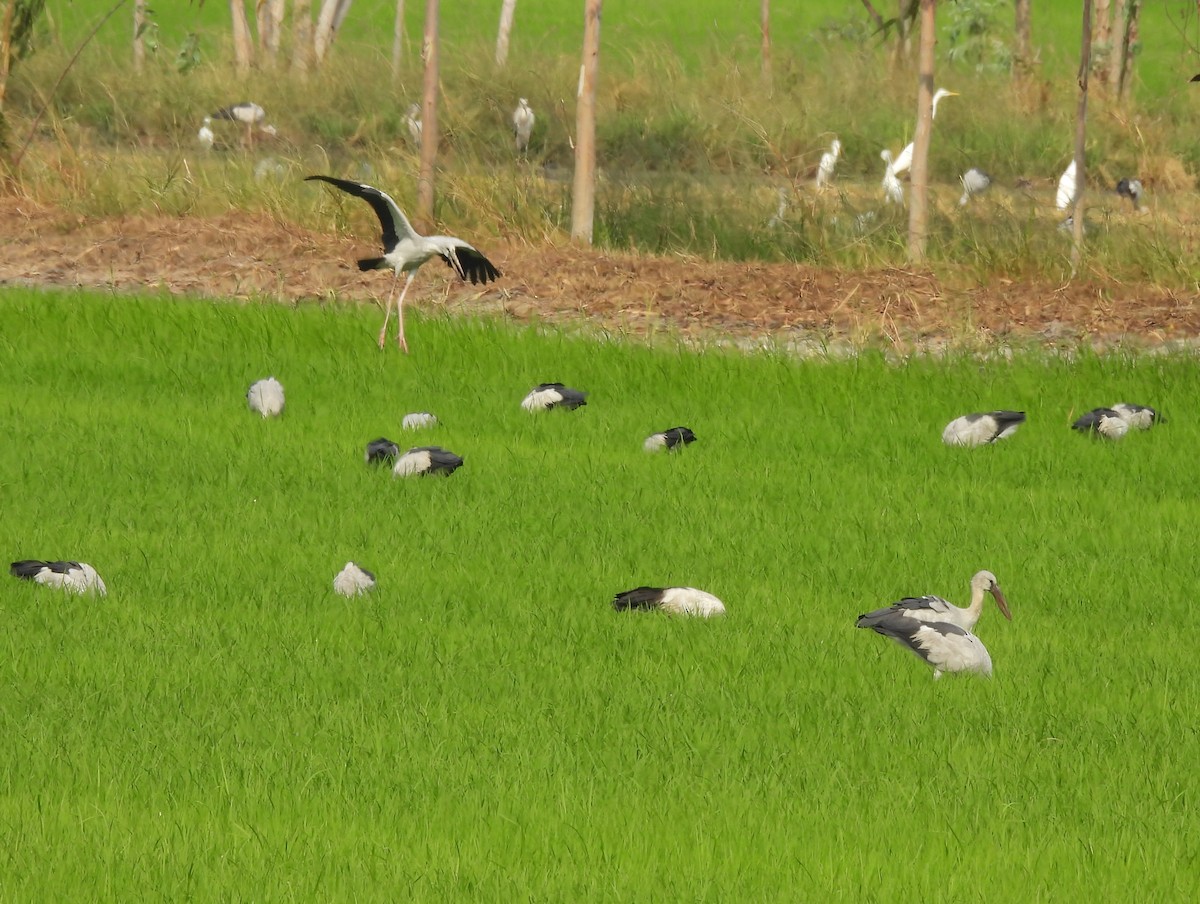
(1001, 602)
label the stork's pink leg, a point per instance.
(387, 309)
(400, 340)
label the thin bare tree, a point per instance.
(268, 16)
(507, 10)
(398, 41)
(1023, 52)
(764, 26)
(1126, 14)
(139, 40)
(874, 14)
(1085, 64)
(243, 47)
(429, 113)
(918, 211)
(302, 36)
(583, 190)
(329, 20)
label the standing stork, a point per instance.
(904, 160)
(983, 428)
(74, 577)
(522, 120)
(405, 251)
(249, 114)
(936, 609)
(676, 600)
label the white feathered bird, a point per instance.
(266, 397)
(828, 164)
(892, 189)
(553, 395)
(205, 136)
(424, 461)
(1064, 199)
(904, 160)
(353, 580)
(982, 428)
(418, 420)
(974, 182)
(74, 577)
(676, 600)
(1104, 422)
(522, 120)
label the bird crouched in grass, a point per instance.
(74, 577)
(545, 396)
(982, 428)
(266, 397)
(1102, 422)
(675, 438)
(676, 600)
(353, 580)
(427, 460)
(404, 251)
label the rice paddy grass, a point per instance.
(483, 726)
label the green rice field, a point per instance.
(483, 726)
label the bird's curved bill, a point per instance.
(1001, 602)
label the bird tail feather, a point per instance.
(373, 263)
(26, 568)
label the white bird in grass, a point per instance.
(74, 577)
(892, 189)
(1065, 198)
(675, 438)
(412, 119)
(1102, 422)
(974, 182)
(249, 114)
(938, 631)
(522, 120)
(828, 164)
(266, 397)
(425, 461)
(982, 428)
(205, 136)
(405, 251)
(1140, 417)
(553, 395)
(676, 600)
(781, 208)
(353, 580)
(418, 420)
(904, 159)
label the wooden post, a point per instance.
(918, 212)
(139, 44)
(764, 25)
(507, 9)
(429, 108)
(398, 41)
(1085, 63)
(583, 190)
(243, 47)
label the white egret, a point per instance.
(828, 164)
(1065, 198)
(205, 136)
(904, 159)
(412, 120)
(892, 189)
(522, 120)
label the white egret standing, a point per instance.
(205, 136)
(892, 189)
(266, 397)
(828, 164)
(405, 251)
(412, 119)
(904, 159)
(676, 600)
(982, 428)
(974, 182)
(1065, 198)
(353, 580)
(74, 577)
(522, 120)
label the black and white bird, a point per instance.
(1102, 422)
(1131, 189)
(266, 397)
(676, 600)
(982, 428)
(381, 451)
(828, 164)
(205, 136)
(1140, 417)
(522, 121)
(404, 251)
(250, 115)
(938, 631)
(418, 420)
(674, 438)
(412, 120)
(74, 577)
(974, 182)
(427, 460)
(553, 395)
(353, 580)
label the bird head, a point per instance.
(986, 581)
(885, 155)
(942, 92)
(836, 147)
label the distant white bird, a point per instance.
(418, 420)
(405, 251)
(1131, 189)
(553, 395)
(249, 114)
(74, 577)
(780, 208)
(267, 168)
(205, 136)
(353, 580)
(904, 160)
(1065, 198)
(828, 164)
(676, 600)
(982, 428)
(522, 120)
(675, 438)
(427, 460)
(381, 451)
(1104, 422)
(892, 189)
(266, 397)
(940, 632)
(974, 182)
(412, 119)
(1140, 417)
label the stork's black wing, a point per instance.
(394, 223)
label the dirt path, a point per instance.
(248, 256)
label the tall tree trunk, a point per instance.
(1023, 53)
(1124, 37)
(918, 212)
(301, 36)
(507, 9)
(1101, 24)
(6, 26)
(429, 111)
(764, 26)
(276, 11)
(1113, 74)
(583, 190)
(333, 12)
(139, 27)
(1085, 64)
(398, 41)
(243, 47)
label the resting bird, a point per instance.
(1131, 189)
(676, 600)
(1141, 417)
(672, 439)
(353, 580)
(382, 451)
(980, 429)
(974, 182)
(405, 251)
(418, 420)
(1104, 422)
(427, 460)
(74, 577)
(553, 395)
(266, 397)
